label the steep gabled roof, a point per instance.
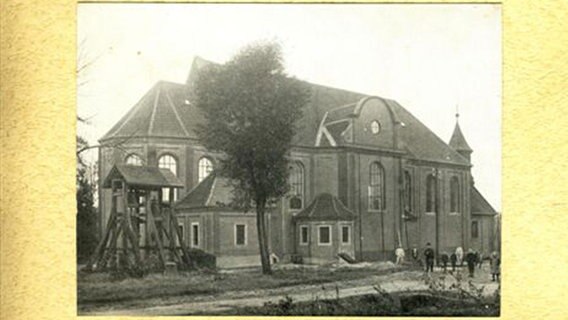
(480, 206)
(421, 142)
(143, 176)
(457, 141)
(325, 207)
(212, 192)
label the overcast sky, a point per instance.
(429, 58)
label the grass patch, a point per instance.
(380, 304)
(96, 289)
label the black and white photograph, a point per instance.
(289, 159)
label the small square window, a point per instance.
(240, 234)
(345, 234)
(324, 235)
(304, 236)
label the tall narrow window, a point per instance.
(296, 185)
(407, 192)
(454, 195)
(345, 234)
(205, 168)
(168, 162)
(474, 229)
(133, 159)
(180, 232)
(304, 235)
(376, 187)
(431, 190)
(195, 234)
(240, 234)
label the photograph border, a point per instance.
(38, 114)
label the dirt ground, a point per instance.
(217, 293)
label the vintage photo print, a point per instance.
(289, 159)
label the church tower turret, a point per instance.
(458, 143)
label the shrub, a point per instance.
(202, 260)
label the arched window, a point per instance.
(431, 194)
(205, 168)
(168, 162)
(296, 179)
(133, 159)
(376, 187)
(454, 195)
(407, 192)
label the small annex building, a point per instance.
(325, 230)
(209, 221)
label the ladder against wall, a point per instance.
(139, 222)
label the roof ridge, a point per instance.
(182, 125)
(211, 191)
(129, 114)
(154, 108)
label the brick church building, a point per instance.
(366, 176)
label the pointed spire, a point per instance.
(458, 142)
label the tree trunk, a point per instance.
(262, 237)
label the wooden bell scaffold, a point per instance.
(139, 221)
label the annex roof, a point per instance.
(143, 176)
(325, 207)
(212, 192)
(479, 205)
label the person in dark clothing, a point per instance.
(479, 259)
(429, 257)
(445, 258)
(453, 261)
(471, 260)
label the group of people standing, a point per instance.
(457, 258)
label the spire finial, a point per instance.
(457, 112)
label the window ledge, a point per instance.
(324, 244)
(430, 213)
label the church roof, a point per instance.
(325, 207)
(421, 142)
(166, 111)
(212, 192)
(480, 206)
(142, 176)
(457, 141)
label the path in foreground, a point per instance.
(399, 282)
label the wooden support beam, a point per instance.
(129, 235)
(99, 250)
(111, 249)
(154, 231)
